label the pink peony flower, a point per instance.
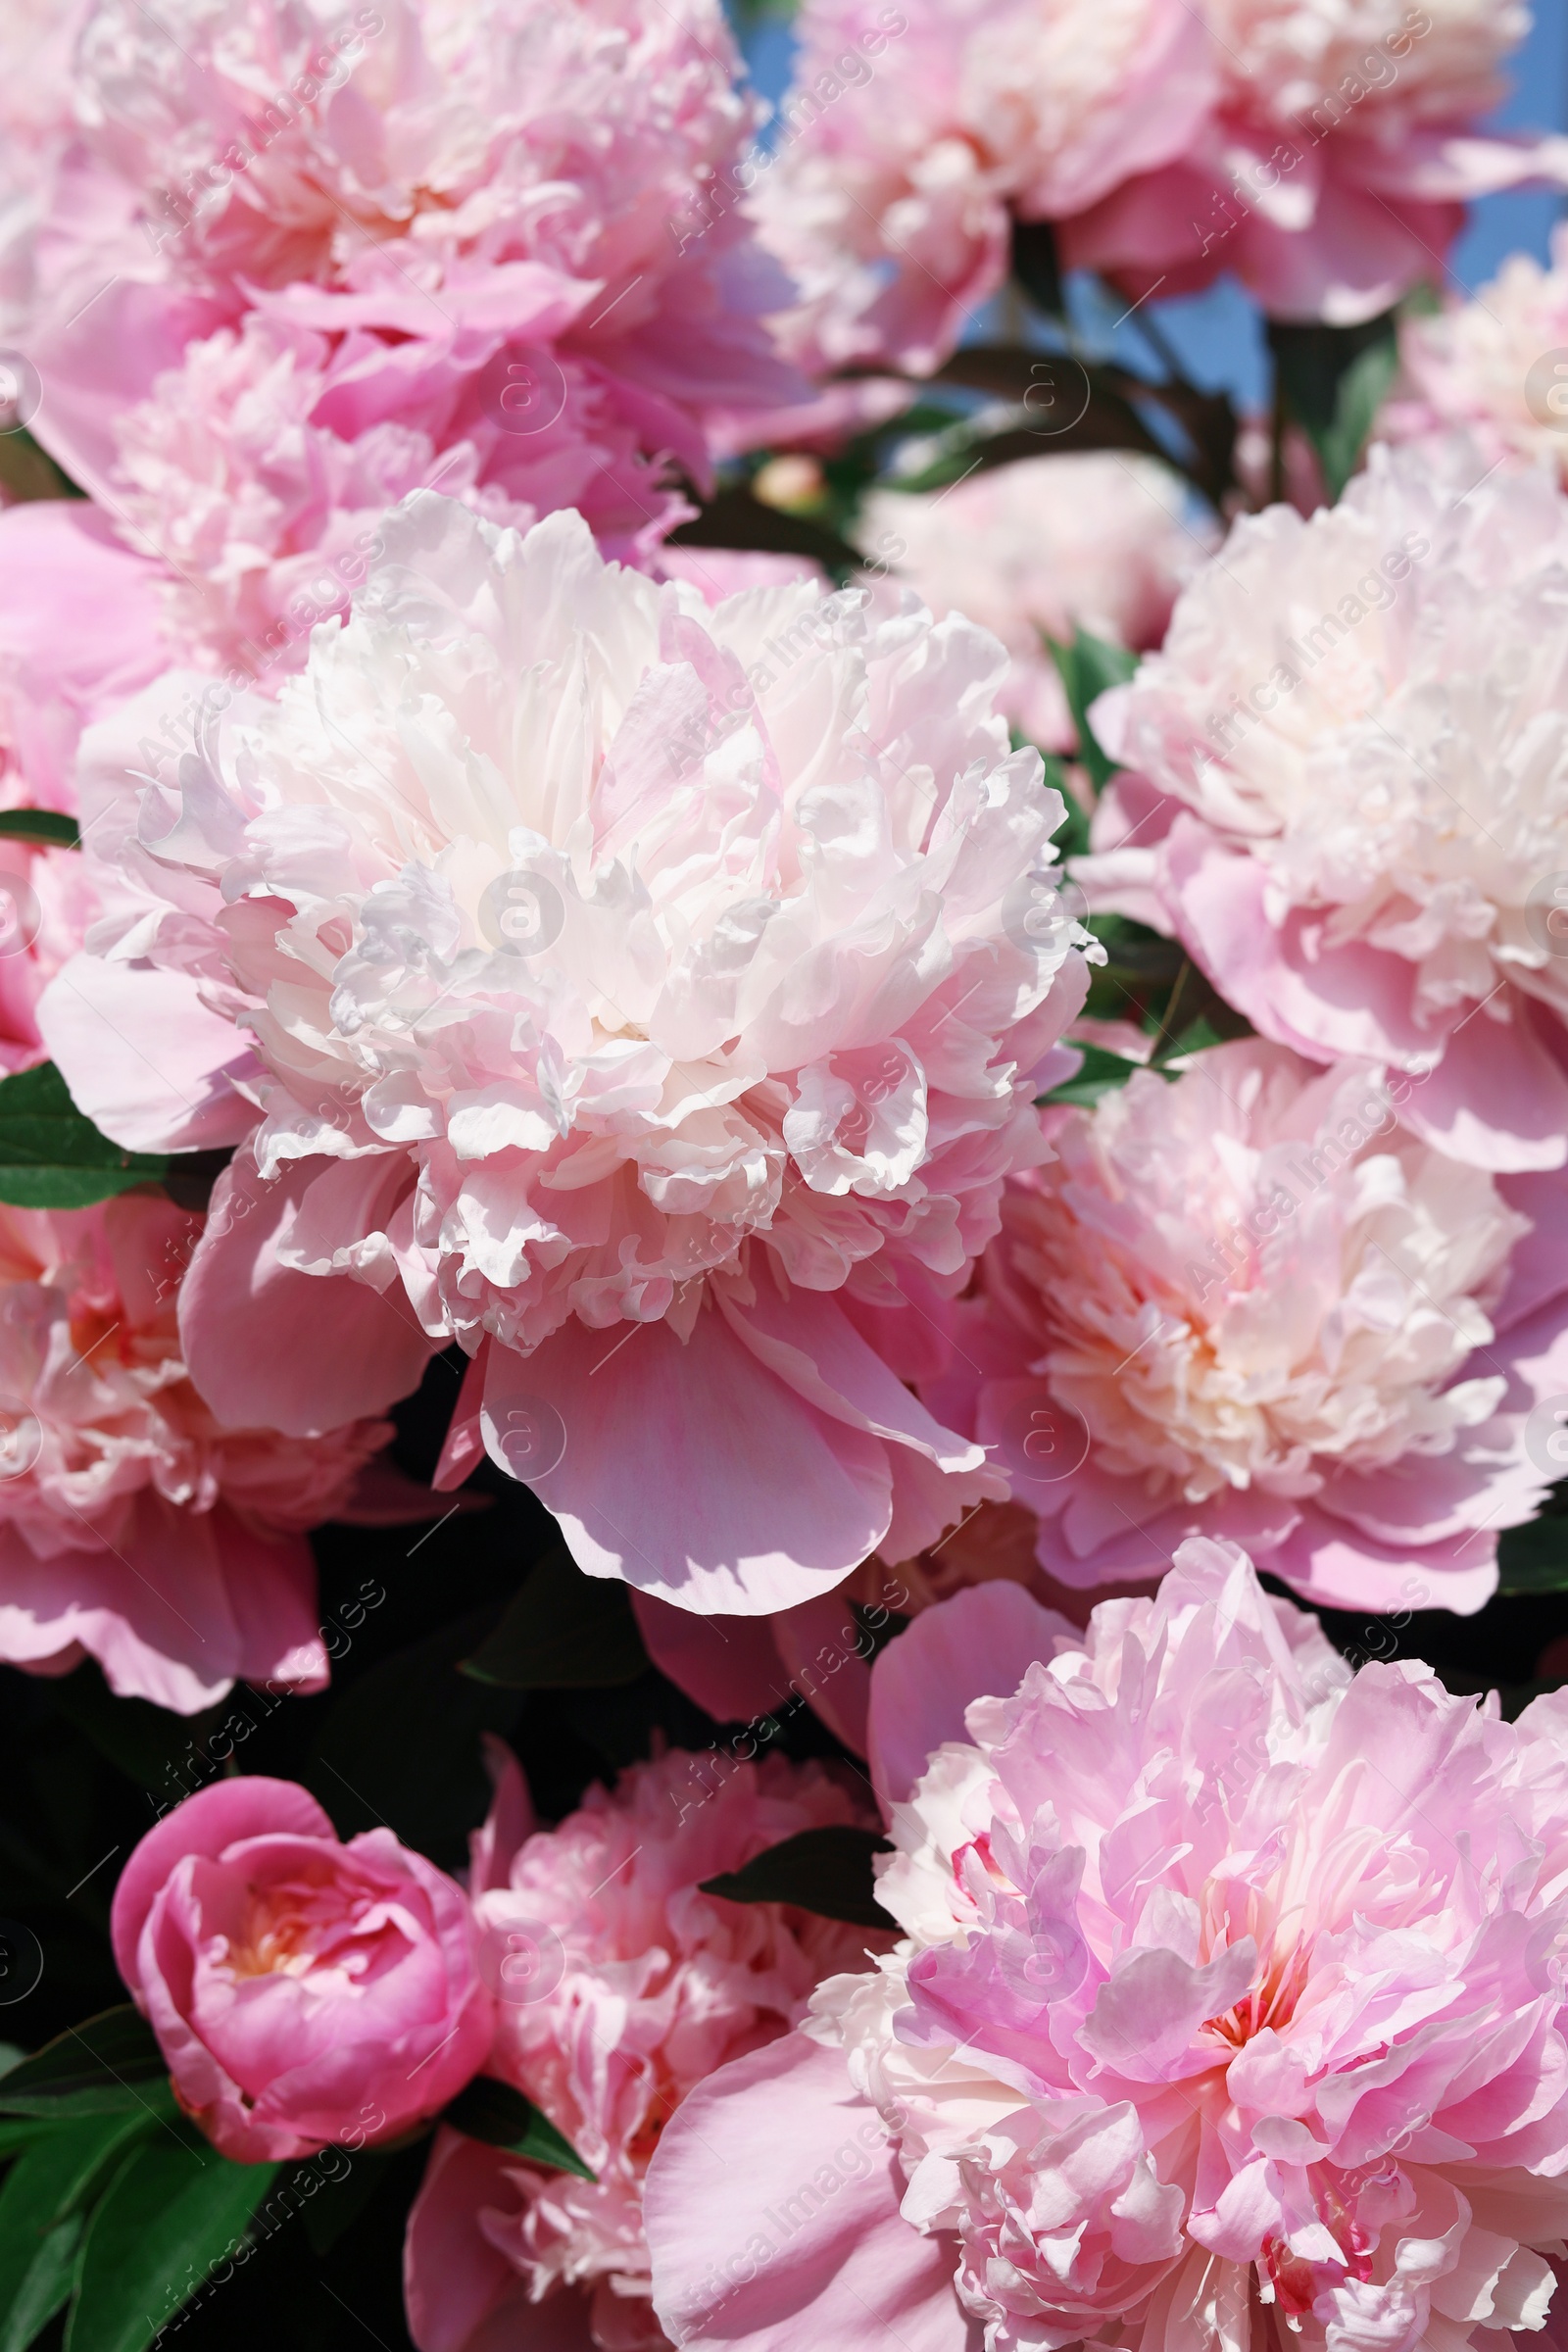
(647, 995)
(1350, 791)
(1322, 150)
(135, 1525)
(303, 1992)
(621, 1987)
(1333, 169)
(1490, 365)
(913, 134)
(1039, 549)
(298, 263)
(1220, 2017)
(79, 632)
(1247, 1305)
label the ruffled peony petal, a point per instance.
(772, 2211)
(979, 1641)
(250, 1326)
(144, 1058)
(687, 1468)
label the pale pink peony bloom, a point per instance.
(304, 1992)
(1333, 170)
(1349, 791)
(647, 995)
(135, 1525)
(1099, 541)
(1221, 2018)
(1490, 365)
(301, 259)
(1322, 150)
(36, 38)
(79, 633)
(913, 134)
(621, 1986)
(1248, 1305)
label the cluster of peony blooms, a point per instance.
(1323, 155)
(292, 264)
(1227, 2010)
(309, 1994)
(451, 909)
(1216, 2009)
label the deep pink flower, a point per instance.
(1221, 2016)
(1349, 791)
(621, 1987)
(303, 1991)
(1248, 1305)
(295, 265)
(135, 1525)
(657, 1013)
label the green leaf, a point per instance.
(1087, 667)
(174, 2211)
(563, 1632)
(44, 2287)
(40, 2220)
(1364, 388)
(503, 2118)
(51, 1157)
(1333, 381)
(1529, 1559)
(108, 2065)
(1103, 1073)
(48, 827)
(825, 1871)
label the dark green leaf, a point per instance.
(1529, 1559)
(825, 1871)
(51, 1157)
(108, 2065)
(503, 2118)
(564, 1632)
(1087, 668)
(1364, 388)
(44, 2287)
(401, 1745)
(40, 2219)
(173, 2213)
(1103, 1073)
(48, 827)
(1332, 379)
(19, 2132)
